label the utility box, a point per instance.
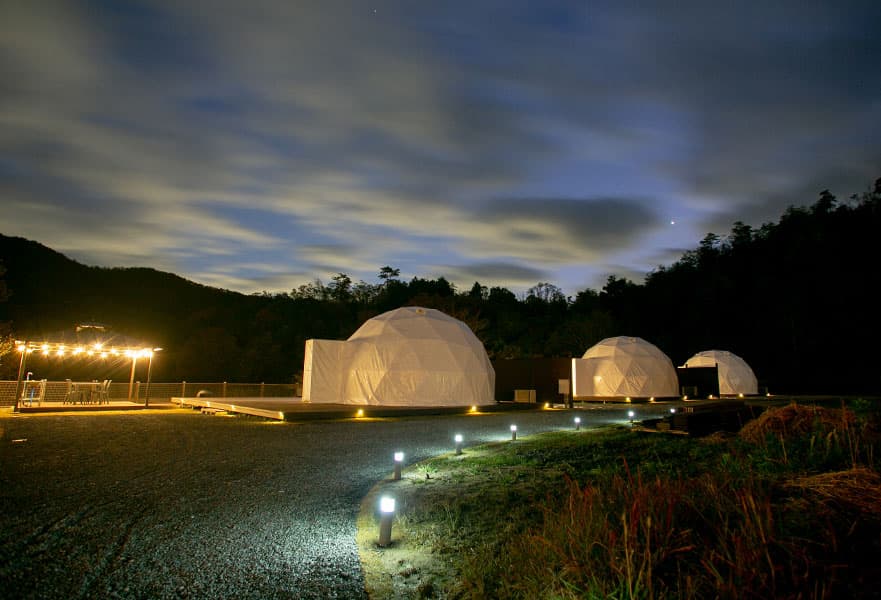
(524, 396)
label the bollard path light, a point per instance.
(513, 433)
(458, 440)
(387, 515)
(399, 458)
(630, 414)
(577, 423)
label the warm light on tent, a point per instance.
(736, 377)
(624, 366)
(360, 412)
(369, 368)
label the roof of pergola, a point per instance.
(86, 340)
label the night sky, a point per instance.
(258, 145)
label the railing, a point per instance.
(57, 390)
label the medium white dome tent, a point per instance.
(410, 356)
(735, 375)
(624, 367)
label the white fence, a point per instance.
(56, 390)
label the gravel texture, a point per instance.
(176, 504)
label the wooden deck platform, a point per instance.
(294, 409)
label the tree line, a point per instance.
(796, 299)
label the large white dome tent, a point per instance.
(410, 356)
(735, 375)
(624, 367)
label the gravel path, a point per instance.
(176, 504)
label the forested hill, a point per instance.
(797, 299)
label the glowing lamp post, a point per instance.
(577, 423)
(458, 440)
(387, 515)
(513, 433)
(150, 354)
(630, 415)
(399, 458)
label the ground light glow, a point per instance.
(458, 440)
(577, 423)
(513, 433)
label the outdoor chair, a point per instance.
(102, 394)
(73, 395)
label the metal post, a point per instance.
(131, 381)
(387, 510)
(21, 367)
(147, 391)
(399, 458)
(385, 529)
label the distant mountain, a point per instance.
(50, 292)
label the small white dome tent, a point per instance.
(624, 367)
(735, 375)
(410, 356)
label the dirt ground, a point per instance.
(176, 504)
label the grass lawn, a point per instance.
(788, 508)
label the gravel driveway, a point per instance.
(175, 504)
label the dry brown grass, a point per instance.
(857, 489)
(795, 420)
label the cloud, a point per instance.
(529, 138)
(589, 226)
(493, 274)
